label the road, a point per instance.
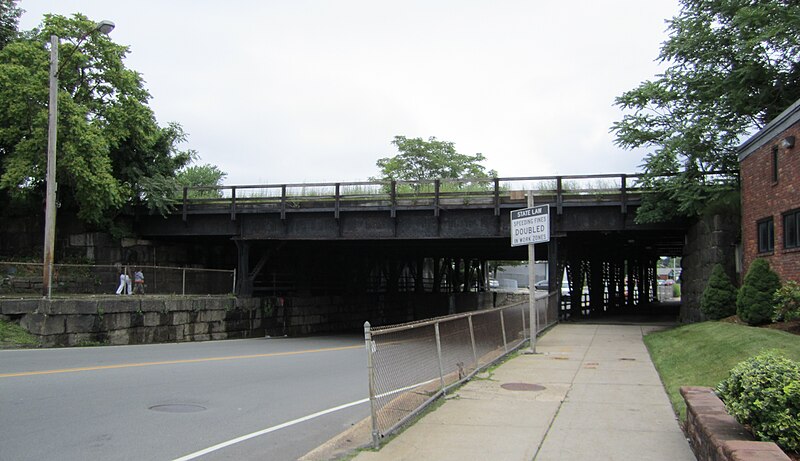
(171, 401)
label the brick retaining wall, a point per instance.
(716, 436)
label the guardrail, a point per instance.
(21, 278)
(411, 365)
(610, 189)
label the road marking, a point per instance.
(174, 362)
(293, 422)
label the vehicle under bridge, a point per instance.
(417, 249)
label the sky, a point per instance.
(276, 92)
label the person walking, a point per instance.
(122, 283)
(138, 282)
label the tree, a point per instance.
(754, 303)
(719, 297)
(111, 151)
(432, 159)
(9, 19)
(202, 176)
(734, 66)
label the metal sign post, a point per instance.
(530, 226)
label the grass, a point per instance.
(12, 335)
(702, 354)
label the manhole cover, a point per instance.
(178, 408)
(522, 387)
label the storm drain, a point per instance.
(178, 408)
(522, 387)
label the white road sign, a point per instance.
(530, 225)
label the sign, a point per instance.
(530, 225)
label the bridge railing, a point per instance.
(411, 365)
(498, 193)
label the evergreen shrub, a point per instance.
(754, 303)
(719, 297)
(763, 392)
(787, 302)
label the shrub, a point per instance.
(763, 392)
(754, 304)
(787, 302)
(719, 297)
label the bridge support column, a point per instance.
(244, 284)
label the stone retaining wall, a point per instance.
(716, 436)
(136, 320)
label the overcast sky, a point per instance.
(313, 90)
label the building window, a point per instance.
(775, 164)
(766, 235)
(791, 229)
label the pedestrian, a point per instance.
(122, 283)
(138, 282)
(128, 284)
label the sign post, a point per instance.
(530, 226)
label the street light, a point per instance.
(50, 199)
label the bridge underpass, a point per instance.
(424, 254)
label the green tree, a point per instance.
(432, 159)
(9, 19)
(111, 151)
(733, 66)
(719, 297)
(202, 176)
(754, 303)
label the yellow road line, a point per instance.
(173, 362)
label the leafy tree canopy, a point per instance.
(111, 151)
(734, 66)
(202, 176)
(9, 19)
(432, 159)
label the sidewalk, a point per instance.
(602, 399)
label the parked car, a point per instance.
(494, 283)
(542, 285)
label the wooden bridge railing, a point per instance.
(561, 191)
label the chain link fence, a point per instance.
(411, 365)
(25, 279)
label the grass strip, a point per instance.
(12, 335)
(702, 354)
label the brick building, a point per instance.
(769, 165)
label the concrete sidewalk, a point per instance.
(602, 399)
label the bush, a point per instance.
(754, 304)
(763, 392)
(719, 297)
(787, 302)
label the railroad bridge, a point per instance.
(435, 237)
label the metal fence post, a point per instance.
(472, 338)
(183, 283)
(503, 327)
(233, 291)
(439, 354)
(522, 310)
(546, 308)
(371, 370)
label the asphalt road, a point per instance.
(172, 401)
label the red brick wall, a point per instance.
(761, 198)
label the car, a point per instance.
(542, 285)
(494, 283)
